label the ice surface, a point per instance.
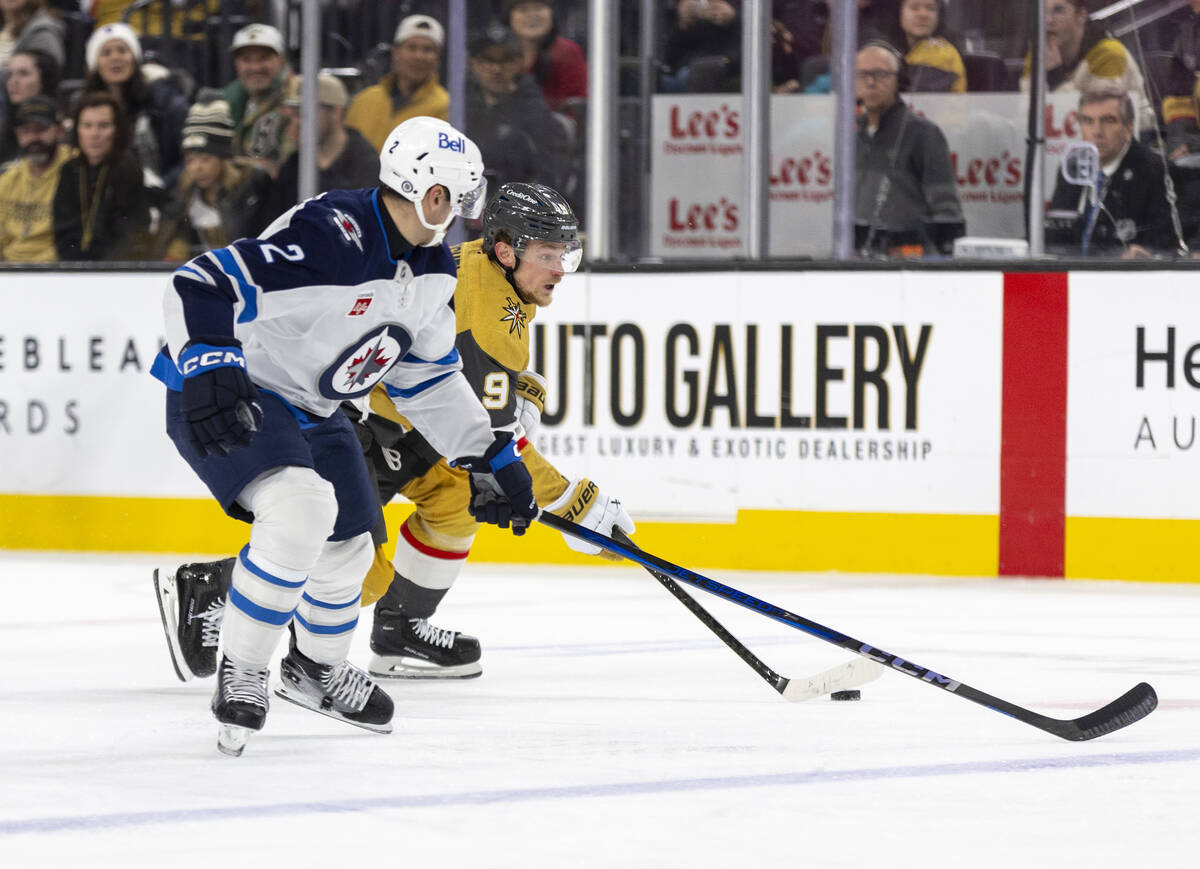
(611, 729)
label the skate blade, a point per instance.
(305, 702)
(168, 606)
(232, 739)
(397, 667)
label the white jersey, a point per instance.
(324, 314)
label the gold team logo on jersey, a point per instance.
(514, 316)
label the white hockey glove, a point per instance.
(531, 399)
(584, 504)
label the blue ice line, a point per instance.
(617, 789)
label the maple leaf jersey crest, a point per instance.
(515, 316)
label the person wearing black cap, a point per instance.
(507, 115)
(217, 200)
(100, 207)
(27, 187)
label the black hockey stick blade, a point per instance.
(840, 678)
(1130, 707)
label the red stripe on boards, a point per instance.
(1033, 427)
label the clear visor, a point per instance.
(551, 255)
(470, 204)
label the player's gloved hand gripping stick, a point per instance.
(218, 399)
(501, 488)
(1132, 706)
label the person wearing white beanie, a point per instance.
(152, 100)
(120, 32)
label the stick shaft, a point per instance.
(1134, 705)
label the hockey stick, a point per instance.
(840, 678)
(1132, 706)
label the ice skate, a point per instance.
(191, 602)
(341, 691)
(408, 648)
(239, 704)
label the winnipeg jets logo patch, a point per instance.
(514, 316)
(348, 227)
(363, 363)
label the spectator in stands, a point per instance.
(703, 46)
(147, 21)
(797, 31)
(256, 97)
(150, 98)
(216, 200)
(878, 19)
(27, 25)
(27, 188)
(345, 160)
(1081, 57)
(556, 63)
(905, 197)
(1126, 213)
(932, 61)
(410, 89)
(100, 208)
(30, 73)
(507, 116)
(1181, 102)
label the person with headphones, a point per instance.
(905, 201)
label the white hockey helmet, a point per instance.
(423, 152)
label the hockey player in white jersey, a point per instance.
(265, 339)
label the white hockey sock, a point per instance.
(327, 612)
(262, 600)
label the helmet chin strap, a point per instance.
(439, 230)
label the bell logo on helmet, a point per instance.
(447, 142)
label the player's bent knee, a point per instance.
(294, 513)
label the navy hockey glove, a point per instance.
(501, 488)
(219, 402)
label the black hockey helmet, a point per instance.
(520, 213)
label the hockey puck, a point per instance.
(846, 695)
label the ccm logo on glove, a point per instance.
(210, 357)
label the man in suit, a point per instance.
(1126, 212)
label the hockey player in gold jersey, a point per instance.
(530, 240)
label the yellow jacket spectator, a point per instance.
(149, 22)
(411, 89)
(27, 187)
(934, 64)
(1081, 57)
(1181, 94)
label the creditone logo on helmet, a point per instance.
(525, 197)
(361, 366)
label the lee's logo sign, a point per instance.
(457, 144)
(703, 216)
(703, 131)
(720, 123)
